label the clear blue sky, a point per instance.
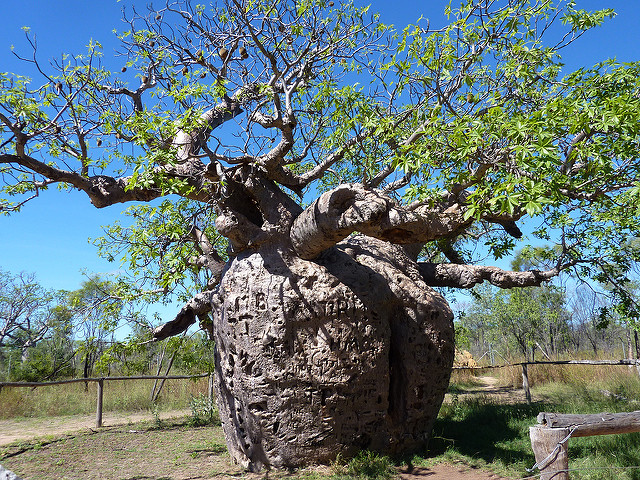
(49, 237)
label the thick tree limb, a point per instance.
(198, 306)
(467, 276)
(349, 208)
(352, 207)
(101, 189)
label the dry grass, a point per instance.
(120, 396)
(466, 376)
(605, 376)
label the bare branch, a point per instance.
(467, 276)
(349, 208)
(199, 306)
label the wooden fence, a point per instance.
(525, 368)
(100, 383)
(549, 439)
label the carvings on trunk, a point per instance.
(317, 358)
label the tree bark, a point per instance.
(315, 358)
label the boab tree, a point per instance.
(349, 168)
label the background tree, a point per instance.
(96, 313)
(326, 340)
(35, 329)
(518, 323)
(589, 326)
(618, 277)
(26, 311)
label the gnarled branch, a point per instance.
(352, 207)
(198, 307)
(467, 276)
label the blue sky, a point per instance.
(49, 237)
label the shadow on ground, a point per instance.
(482, 429)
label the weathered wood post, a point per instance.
(525, 382)
(551, 451)
(549, 439)
(210, 388)
(100, 383)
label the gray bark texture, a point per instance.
(8, 474)
(314, 358)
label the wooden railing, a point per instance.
(525, 368)
(100, 383)
(550, 438)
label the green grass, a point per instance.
(481, 433)
(365, 465)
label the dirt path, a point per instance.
(28, 428)
(446, 471)
(489, 387)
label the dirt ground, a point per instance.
(65, 443)
(29, 428)
(448, 472)
(489, 387)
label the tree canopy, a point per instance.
(252, 122)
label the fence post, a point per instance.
(210, 390)
(100, 383)
(551, 451)
(525, 383)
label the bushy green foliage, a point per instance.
(366, 465)
(203, 411)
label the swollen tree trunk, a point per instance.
(328, 342)
(314, 358)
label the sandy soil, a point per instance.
(490, 388)
(448, 472)
(29, 428)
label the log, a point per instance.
(551, 451)
(592, 424)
